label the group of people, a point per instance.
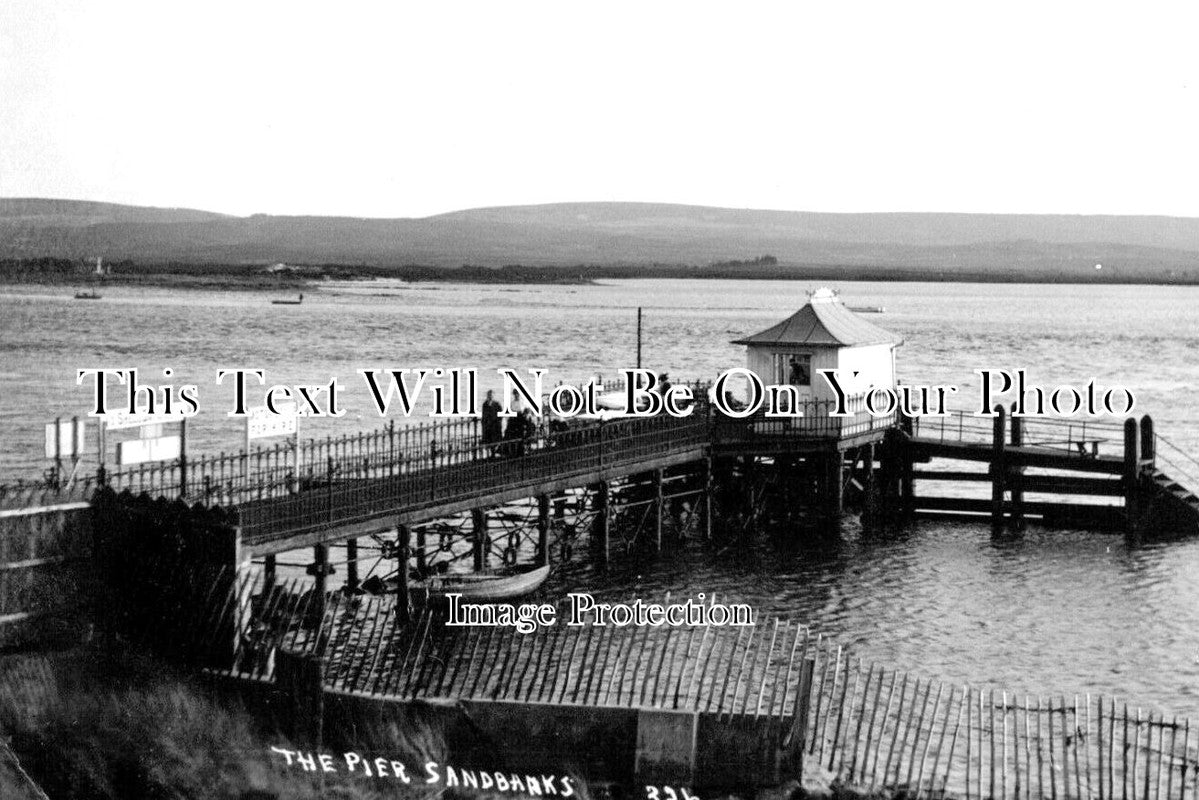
(509, 439)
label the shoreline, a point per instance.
(237, 279)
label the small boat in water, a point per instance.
(492, 585)
(867, 309)
(295, 302)
(487, 586)
(88, 295)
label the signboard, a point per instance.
(60, 442)
(151, 430)
(120, 420)
(139, 451)
(261, 423)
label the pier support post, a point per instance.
(907, 478)
(998, 465)
(1132, 474)
(658, 510)
(403, 602)
(705, 508)
(421, 566)
(750, 495)
(1016, 474)
(543, 529)
(603, 518)
(268, 574)
(320, 569)
(835, 489)
(479, 544)
(1148, 443)
(352, 564)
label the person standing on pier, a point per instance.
(514, 434)
(493, 427)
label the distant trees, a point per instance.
(760, 261)
(46, 266)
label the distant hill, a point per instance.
(611, 234)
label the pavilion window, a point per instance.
(794, 369)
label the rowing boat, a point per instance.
(490, 585)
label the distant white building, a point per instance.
(824, 334)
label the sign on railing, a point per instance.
(262, 423)
(140, 451)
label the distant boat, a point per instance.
(867, 309)
(295, 302)
(88, 295)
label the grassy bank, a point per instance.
(137, 730)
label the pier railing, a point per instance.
(1082, 437)
(815, 420)
(448, 470)
(343, 478)
(1183, 467)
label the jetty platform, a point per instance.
(188, 559)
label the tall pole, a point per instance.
(638, 337)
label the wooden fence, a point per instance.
(870, 728)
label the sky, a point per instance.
(402, 109)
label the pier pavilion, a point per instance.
(824, 334)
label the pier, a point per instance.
(293, 574)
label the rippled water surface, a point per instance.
(1047, 611)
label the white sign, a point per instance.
(150, 431)
(119, 420)
(66, 445)
(139, 451)
(261, 423)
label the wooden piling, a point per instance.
(479, 543)
(998, 465)
(603, 518)
(403, 601)
(543, 529)
(706, 502)
(1148, 442)
(352, 564)
(320, 569)
(421, 563)
(1015, 475)
(658, 509)
(1132, 474)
